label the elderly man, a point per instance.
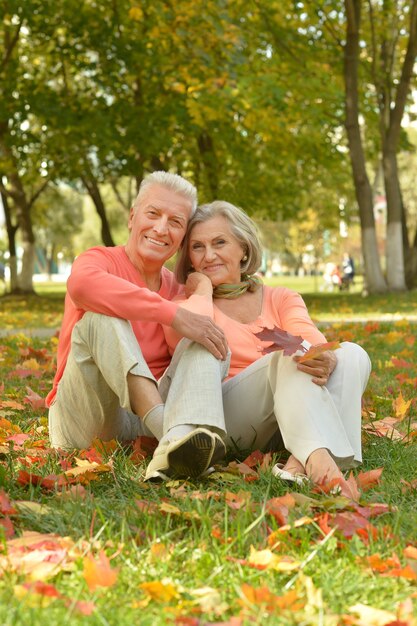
(115, 378)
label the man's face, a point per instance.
(157, 226)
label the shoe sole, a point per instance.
(193, 457)
(219, 451)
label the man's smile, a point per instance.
(156, 242)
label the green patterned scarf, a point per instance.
(249, 283)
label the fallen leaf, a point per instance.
(401, 406)
(160, 590)
(98, 573)
(34, 399)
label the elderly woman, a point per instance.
(315, 404)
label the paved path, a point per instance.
(44, 333)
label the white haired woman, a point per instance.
(315, 404)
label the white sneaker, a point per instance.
(279, 472)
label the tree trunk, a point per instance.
(11, 236)
(93, 189)
(391, 115)
(375, 280)
(209, 160)
(24, 218)
(395, 246)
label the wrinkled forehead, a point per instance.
(165, 199)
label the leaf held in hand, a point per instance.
(282, 340)
(316, 351)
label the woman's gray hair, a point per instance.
(242, 227)
(173, 182)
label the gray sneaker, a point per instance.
(189, 456)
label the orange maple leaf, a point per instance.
(99, 573)
(366, 480)
(316, 351)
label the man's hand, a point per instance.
(203, 330)
(320, 368)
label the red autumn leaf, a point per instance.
(143, 447)
(237, 500)
(401, 363)
(248, 473)
(34, 399)
(316, 351)
(279, 508)
(21, 372)
(366, 480)
(146, 506)
(367, 534)
(30, 352)
(42, 588)
(8, 527)
(349, 522)
(82, 607)
(6, 507)
(373, 509)
(18, 439)
(11, 404)
(255, 458)
(99, 573)
(187, 621)
(51, 481)
(323, 521)
(281, 340)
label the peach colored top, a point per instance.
(104, 280)
(280, 307)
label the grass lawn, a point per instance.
(86, 541)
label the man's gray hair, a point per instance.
(173, 182)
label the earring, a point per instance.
(245, 258)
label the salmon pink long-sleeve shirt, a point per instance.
(280, 307)
(104, 280)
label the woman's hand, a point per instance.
(198, 283)
(320, 368)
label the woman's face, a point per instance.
(215, 251)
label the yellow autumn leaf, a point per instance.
(84, 466)
(160, 590)
(393, 337)
(27, 506)
(369, 616)
(31, 364)
(165, 507)
(270, 560)
(401, 406)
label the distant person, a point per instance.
(348, 267)
(115, 378)
(315, 405)
(3, 273)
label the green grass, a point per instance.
(190, 537)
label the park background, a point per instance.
(301, 113)
(304, 114)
